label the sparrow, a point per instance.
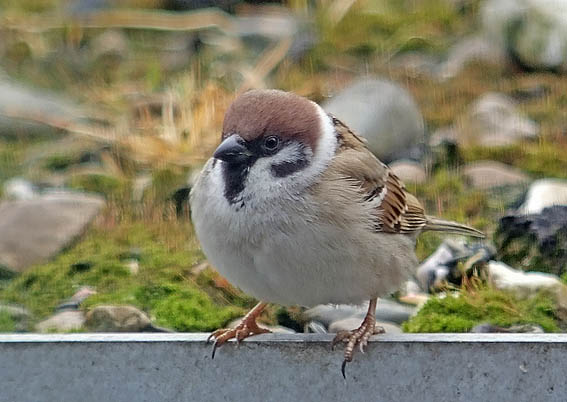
(294, 209)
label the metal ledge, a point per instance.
(178, 367)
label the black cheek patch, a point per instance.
(286, 168)
(234, 177)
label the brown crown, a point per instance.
(262, 112)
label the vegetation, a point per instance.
(165, 118)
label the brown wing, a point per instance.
(397, 211)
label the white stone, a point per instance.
(544, 193)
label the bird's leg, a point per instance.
(358, 336)
(247, 327)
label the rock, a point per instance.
(19, 315)
(523, 284)
(63, 321)
(535, 241)
(490, 174)
(531, 93)
(542, 194)
(22, 108)
(348, 324)
(442, 265)
(315, 327)
(475, 48)
(533, 32)
(386, 310)
(110, 43)
(385, 114)
(118, 319)
(522, 329)
(494, 120)
(32, 231)
(18, 188)
(75, 301)
(409, 171)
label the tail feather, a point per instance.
(440, 225)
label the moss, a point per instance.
(164, 287)
(541, 159)
(110, 187)
(7, 324)
(58, 162)
(460, 313)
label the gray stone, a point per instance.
(386, 310)
(409, 171)
(494, 120)
(543, 194)
(490, 174)
(533, 32)
(384, 113)
(118, 319)
(63, 321)
(22, 109)
(32, 231)
(475, 48)
(348, 324)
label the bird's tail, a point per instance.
(439, 225)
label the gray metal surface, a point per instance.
(178, 367)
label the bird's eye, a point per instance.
(271, 143)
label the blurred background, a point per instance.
(108, 109)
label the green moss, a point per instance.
(543, 159)
(461, 313)
(7, 324)
(59, 162)
(164, 287)
(109, 186)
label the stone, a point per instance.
(491, 174)
(32, 231)
(18, 188)
(494, 120)
(532, 32)
(348, 324)
(535, 241)
(22, 108)
(108, 318)
(523, 284)
(409, 171)
(63, 321)
(77, 299)
(386, 310)
(443, 265)
(474, 48)
(385, 114)
(542, 194)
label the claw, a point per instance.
(214, 349)
(343, 367)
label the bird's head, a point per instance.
(273, 142)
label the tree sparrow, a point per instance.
(293, 209)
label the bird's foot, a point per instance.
(358, 337)
(247, 327)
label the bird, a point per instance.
(293, 209)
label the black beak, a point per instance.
(233, 150)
